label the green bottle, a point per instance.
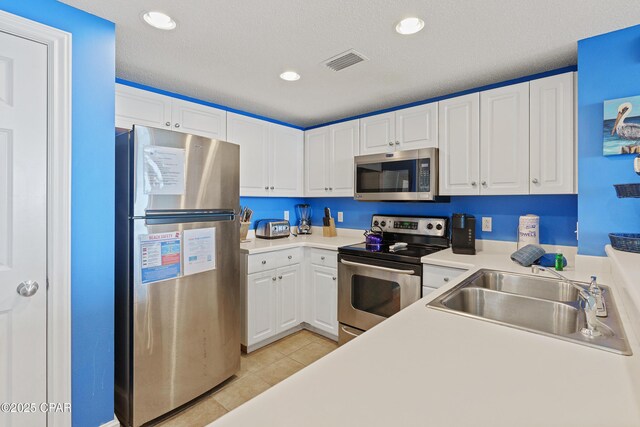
(559, 262)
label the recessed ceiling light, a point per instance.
(409, 26)
(159, 20)
(290, 76)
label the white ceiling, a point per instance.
(231, 52)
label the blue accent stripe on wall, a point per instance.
(453, 95)
(208, 104)
(615, 75)
(271, 207)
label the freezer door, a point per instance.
(186, 331)
(180, 172)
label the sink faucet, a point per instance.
(590, 305)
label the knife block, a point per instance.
(329, 230)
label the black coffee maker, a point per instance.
(463, 234)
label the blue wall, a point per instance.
(92, 208)
(558, 214)
(609, 68)
(271, 207)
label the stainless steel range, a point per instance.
(377, 281)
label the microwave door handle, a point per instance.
(376, 267)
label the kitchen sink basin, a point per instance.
(541, 305)
(521, 284)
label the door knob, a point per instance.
(266, 188)
(177, 125)
(326, 188)
(330, 189)
(28, 288)
(168, 124)
(484, 183)
(264, 262)
(391, 143)
(534, 180)
(473, 183)
(333, 278)
(273, 278)
(272, 187)
(397, 142)
(280, 277)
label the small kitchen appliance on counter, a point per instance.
(303, 211)
(463, 234)
(272, 228)
(383, 275)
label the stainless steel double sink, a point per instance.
(542, 305)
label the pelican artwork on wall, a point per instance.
(621, 129)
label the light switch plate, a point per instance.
(286, 215)
(340, 217)
(486, 223)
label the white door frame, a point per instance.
(58, 206)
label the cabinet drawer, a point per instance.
(435, 276)
(261, 262)
(288, 257)
(324, 258)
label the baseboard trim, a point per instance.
(113, 423)
(299, 327)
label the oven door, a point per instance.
(371, 290)
(401, 176)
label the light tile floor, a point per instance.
(258, 371)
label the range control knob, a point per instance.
(376, 223)
(383, 223)
(429, 226)
(439, 227)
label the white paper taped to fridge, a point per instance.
(159, 257)
(163, 170)
(199, 250)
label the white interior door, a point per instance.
(23, 244)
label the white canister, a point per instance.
(528, 230)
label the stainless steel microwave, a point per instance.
(410, 175)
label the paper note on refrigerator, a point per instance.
(199, 250)
(163, 170)
(160, 256)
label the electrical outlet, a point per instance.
(286, 215)
(486, 223)
(340, 217)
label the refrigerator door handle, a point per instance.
(179, 219)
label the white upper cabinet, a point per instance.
(417, 127)
(407, 129)
(270, 156)
(378, 133)
(552, 139)
(316, 162)
(329, 153)
(141, 107)
(504, 140)
(343, 147)
(459, 143)
(285, 172)
(253, 137)
(198, 119)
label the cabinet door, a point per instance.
(323, 294)
(261, 306)
(551, 137)
(459, 145)
(287, 146)
(253, 137)
(504, 140)
(378, 134)
(316, 166)
(141, 107)
(196, 119)
(417, 127)
(289, 307)
(344, 146)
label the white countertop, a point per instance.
(316, 240)
(427, 367)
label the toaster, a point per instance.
(272, 228)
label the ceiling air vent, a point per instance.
(344, 60)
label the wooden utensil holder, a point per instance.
(330, 230)
(244, 230)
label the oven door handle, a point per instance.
(376, 267)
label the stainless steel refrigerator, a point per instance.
(177, 306)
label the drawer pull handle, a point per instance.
(264, 262)
(322, 258)
(334, 278)
(280, 277)
(446, 279)
(273, 278)
(289, 257)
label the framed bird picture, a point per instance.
(621, 126)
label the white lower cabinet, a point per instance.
(273, 302)
(322, 298)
